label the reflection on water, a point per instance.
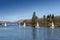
(28, 33)
(34, 33)
(38, 33)
(53, 34)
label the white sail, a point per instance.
(24, 24)
(37, 25)
(5, 24)
(52, 25)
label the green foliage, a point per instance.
(34, 19)
(45, 21)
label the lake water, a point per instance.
(28, 33)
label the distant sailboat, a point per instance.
(5, 24)
(24, 24)
(52, 25)
(37, 26)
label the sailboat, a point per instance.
(37, 26)
(5, 24)
(24, 24)
(52, 25)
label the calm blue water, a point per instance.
(28, 33)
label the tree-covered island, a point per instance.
(46, 21)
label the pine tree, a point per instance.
(34, 17)
(44, 20)
(52, 16)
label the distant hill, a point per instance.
(8, 23)
(11, 23)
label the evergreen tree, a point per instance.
(48, 19)
(48, 16)
(44, 20)
(34, 19)
(52, 16)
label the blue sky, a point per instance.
(13, 10)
